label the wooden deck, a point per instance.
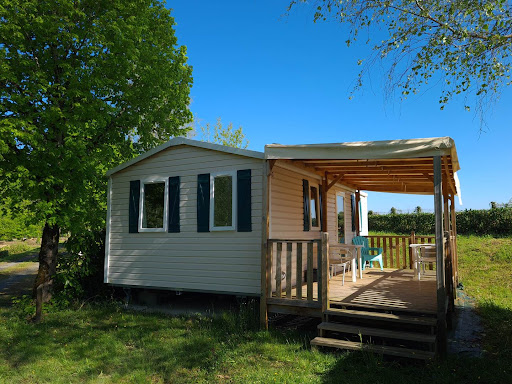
(392, 289)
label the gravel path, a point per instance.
(19, 283)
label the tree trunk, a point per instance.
(47, 261)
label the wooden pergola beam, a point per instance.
(336, 180)
(384, 177)
(382, 166)
(428, 176)
(346, 171)
(448, 175)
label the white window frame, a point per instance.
(151, 180)
(233, 200)
(340, 194)
(317, 208)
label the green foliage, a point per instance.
(16, 222)
(84, 86)
(80, 269)
(23, 306)
(15, 228)
(467, 44)
(495, 222)
(224, 135)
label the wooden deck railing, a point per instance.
(291, 265)
(396, 251)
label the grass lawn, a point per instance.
(106, 344)
(16, 251)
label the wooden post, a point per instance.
(325, 271)
(455, 255)
(265, 268)
(448, 252)
(440, 271)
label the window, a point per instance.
(314, 206)
(222, 201)
(340, 210)
(153, 206)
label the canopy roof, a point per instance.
(402, 166)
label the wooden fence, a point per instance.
(293, 266)
(396, 251)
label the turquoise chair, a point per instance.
(365, 251)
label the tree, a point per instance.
(418, 209)
(393, 211)
(84, 85)
(466, 43)
(225, 135)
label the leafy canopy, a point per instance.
(466, 43)
(224, 135)
(84, 85)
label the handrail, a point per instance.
(294, 240)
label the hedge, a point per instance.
(494, 222)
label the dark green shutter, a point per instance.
(305, 196)
(243, 198)
(133, 210)
(321, 208)
(174, 204)
(203, 202)
(353, 204)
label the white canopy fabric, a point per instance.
(385, 149)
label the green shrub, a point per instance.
(493, 222)
(80, 269)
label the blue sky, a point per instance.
(287, 80)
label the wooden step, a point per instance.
(348, 304)
(356, 330)
(381, 316)
(381, 349)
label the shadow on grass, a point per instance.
(498, 331)
(111, 341)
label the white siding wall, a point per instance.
(226, 261)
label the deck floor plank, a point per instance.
(387, 289)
